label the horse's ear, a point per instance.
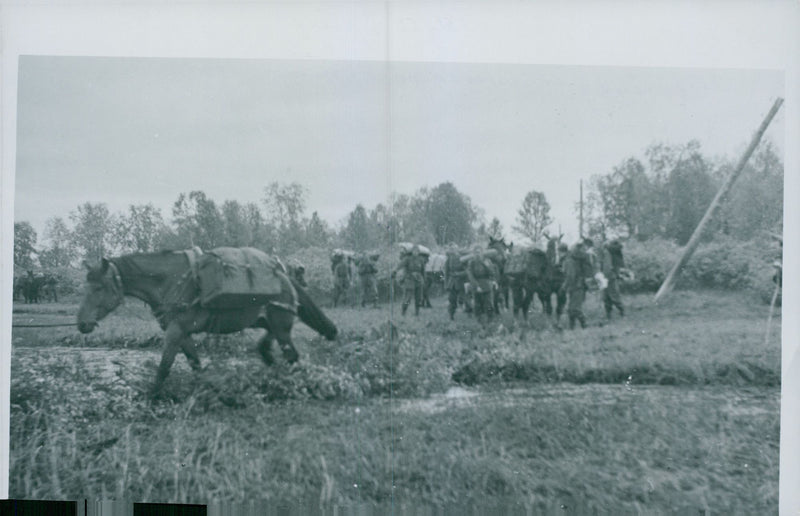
(104, 263)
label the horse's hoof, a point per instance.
(155, 394)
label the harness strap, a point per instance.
(192, 255)
(116, 279)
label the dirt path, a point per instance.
(736, 402)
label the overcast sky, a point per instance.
(136, 130)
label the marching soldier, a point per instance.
(588, 248)
(577, 265)
(413, 267)
(480, 272)
(454, 278)
(613, 263)
(367, 270)
(426, 284)
(341, 279)
(559, 275)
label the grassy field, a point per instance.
(673, 408)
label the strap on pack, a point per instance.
(193, 255)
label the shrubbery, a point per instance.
(650, 262)
(721, 264)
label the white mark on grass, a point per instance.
(358, 410)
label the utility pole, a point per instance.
(723, 191)
(580, 204)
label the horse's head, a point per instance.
(499, 244)
(555, 249)
(103, 294)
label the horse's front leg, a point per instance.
(172, 343)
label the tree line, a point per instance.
(663, 195)
(666, 193)
(278, 224)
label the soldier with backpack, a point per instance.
(577, 271)
(341, 277)
(613, 264)
(413, 267)
(367, 270)
(455, 276)
(483, 281)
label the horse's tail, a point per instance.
(311, 315)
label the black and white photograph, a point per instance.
(329, 282)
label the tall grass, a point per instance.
(330, 430)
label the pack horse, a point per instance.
(221, 291)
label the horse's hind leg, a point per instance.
(190, 350)
(280, 322)
(264, 347)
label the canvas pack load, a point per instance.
(235, 277)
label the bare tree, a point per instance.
(533, 217)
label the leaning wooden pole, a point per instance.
(771, 311)
(723, 191)
(580, 223)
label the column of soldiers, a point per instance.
(472, 281)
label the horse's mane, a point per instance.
(153, 265)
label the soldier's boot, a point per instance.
(582, 319)
(405, 307)
(416, 310)
(621, 311)
(571, 321)
(608, 313)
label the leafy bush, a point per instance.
(650, 262)
(721, 264)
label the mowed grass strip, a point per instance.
(658, 450)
